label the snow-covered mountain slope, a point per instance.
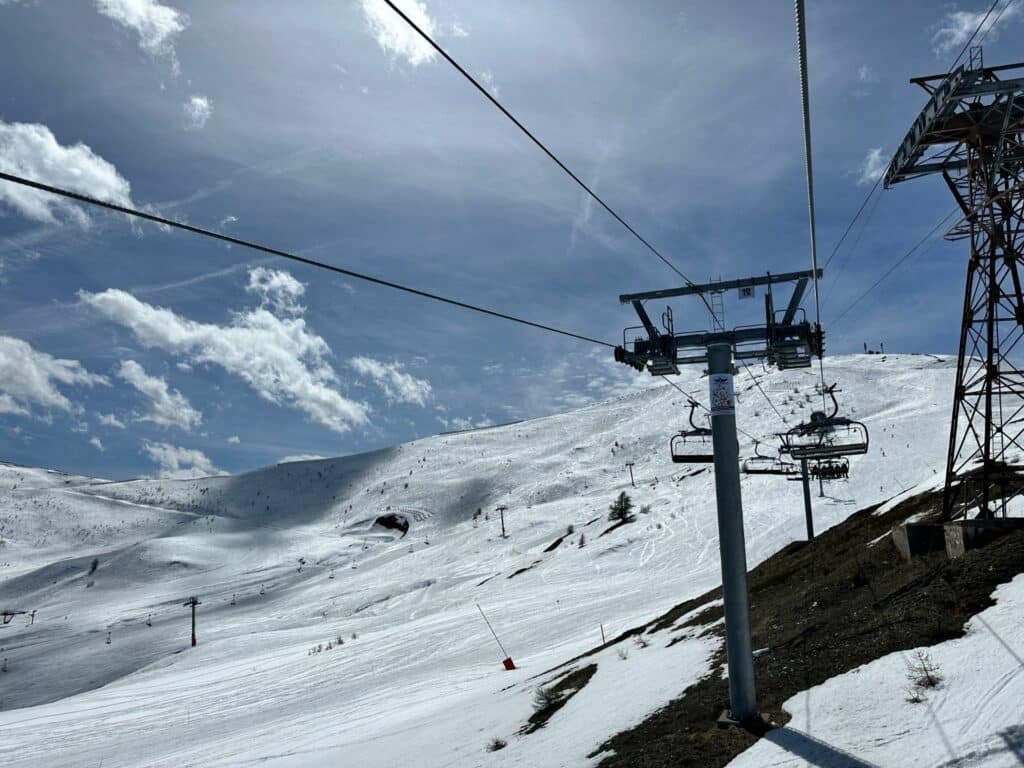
(288, 558)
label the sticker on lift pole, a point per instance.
(723, 398)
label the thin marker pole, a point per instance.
(492, 630)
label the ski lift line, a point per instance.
(701, 405)
(543, 148)
(82, 198)
(764, 394)
(978, 29)
(995, 21)
(952, 66)
(853, 221)
(848, 256)
(894, 267)
(805, 104)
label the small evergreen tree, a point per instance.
(621, 510)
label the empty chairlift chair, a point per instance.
(692, 446)
(759, 464)
(825, 437)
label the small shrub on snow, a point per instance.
(544, 698)
(922, 673)
(621, 510)
(495, 744)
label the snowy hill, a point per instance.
(288, 559)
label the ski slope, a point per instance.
(288, 558)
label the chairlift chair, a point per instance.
(825, 437)
(759, 464)
(692, 446)
(831, 469)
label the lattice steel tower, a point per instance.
(971, 132)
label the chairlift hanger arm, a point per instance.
(771, 279)
(794, 301)
(646, 320)
(693, 407)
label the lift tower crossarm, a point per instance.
(785, 277)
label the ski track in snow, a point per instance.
(422, 684)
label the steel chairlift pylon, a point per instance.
(758, 464)
(825, 437)
(683, 444)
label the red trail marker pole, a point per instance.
(507, 661)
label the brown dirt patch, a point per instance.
(820, 609)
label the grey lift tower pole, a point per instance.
(785, 339)
(731, 541)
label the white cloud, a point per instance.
(487, 78)
(277, 289)
(866, 75)
(109, 420)
(168, 408)
(180, 463)
(394, 35)
(234, 440)
(279, 357)
(227, 220)
(458, 423)
(873, 167)
(31, 150)
(457, 30)
(156, 24)
(30, 378)
(956, 27)
(301, 457)
(96, 443)
(397, 385)
(197, 111)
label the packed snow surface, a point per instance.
(326, 639)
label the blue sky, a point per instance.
(324, 128)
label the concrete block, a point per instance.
(962, 535)
(912, 539)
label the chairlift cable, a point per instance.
(82, 198)
(853, 221)
(848, 256)
(978, 29)
(805, 103)
(764, 394)
(894, 267)
(554, 158)
(878, 181)
(699, 403)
